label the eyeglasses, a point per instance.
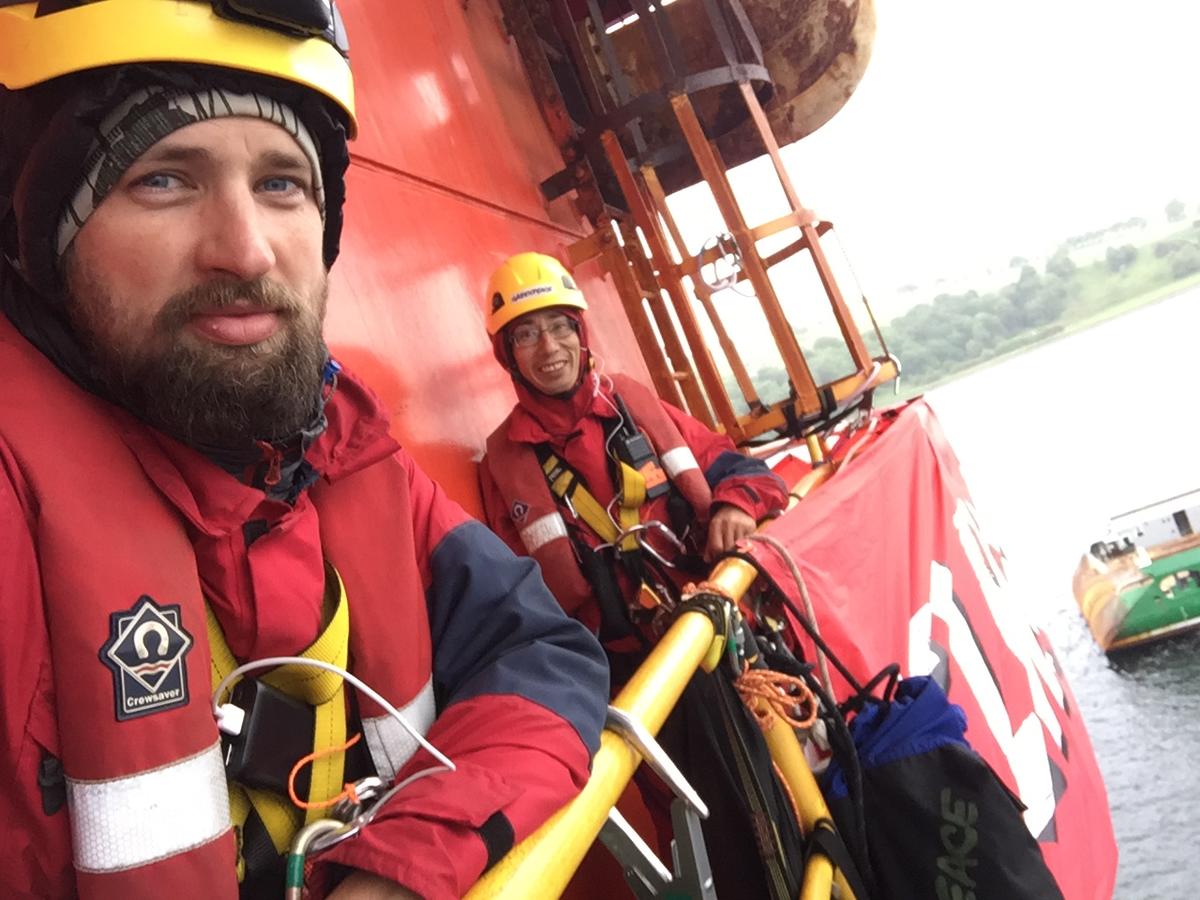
(527, 334)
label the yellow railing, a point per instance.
(542, 864)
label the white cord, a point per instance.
(596, 392)
(783, 553)
(621, 423)
(219, 713)
(867, 384)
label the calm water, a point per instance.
(1052, 444)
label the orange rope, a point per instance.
(347, 789)
(787, 791)
(782, 694)
(706, 587)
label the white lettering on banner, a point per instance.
(1024, 748)
(1007, 611)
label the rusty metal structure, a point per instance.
(644, 100)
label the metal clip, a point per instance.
(635, 733)
(367, 788)
(640, 529)
(302, 844)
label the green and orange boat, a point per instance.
(1142, 582)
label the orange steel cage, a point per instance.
(630, 118)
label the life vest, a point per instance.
(522, 482)
(146, 789)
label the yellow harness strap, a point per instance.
(323, 690)
(633, 495)
(566, 486)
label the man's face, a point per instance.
(545, 347)
(198, 285)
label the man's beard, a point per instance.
(206, 394)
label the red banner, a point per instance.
(899, 571)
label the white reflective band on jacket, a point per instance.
(120, 823)
(390, 743)
(678, 460)
(548, 528)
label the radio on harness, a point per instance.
(633, 448)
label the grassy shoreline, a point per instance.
(1056, 331)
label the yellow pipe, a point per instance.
(542, 864)
(809, 483)
(733, 577)
(818, 879)
(816, 449)
(788, 756)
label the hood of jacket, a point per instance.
(539, 418)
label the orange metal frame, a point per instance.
(684, 364)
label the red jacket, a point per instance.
(576, 429)
(443, 618)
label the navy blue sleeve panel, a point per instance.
(735, 479)
(732, 464)
(754, 489)
(497, 629)
(522, 691)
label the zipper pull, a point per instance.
(53, 783)
(329, 376)
(273, 459)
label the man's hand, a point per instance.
(363, 886)
(728, 526)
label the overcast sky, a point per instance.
(987, 130)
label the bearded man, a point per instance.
(190, 483)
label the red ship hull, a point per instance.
(444, 185)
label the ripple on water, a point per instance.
(1142, 710)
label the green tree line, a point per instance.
(952, 332)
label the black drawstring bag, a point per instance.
(939, 822)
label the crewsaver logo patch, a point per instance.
(519, 510)
(146, 651)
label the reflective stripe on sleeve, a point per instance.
(390, 743)
(122, 823)
(679, 460)
(546, 529)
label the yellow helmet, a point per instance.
(526, 283)
(301, 41)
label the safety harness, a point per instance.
(570, 489)
(638, 476)
(266, 821)
(558, 519)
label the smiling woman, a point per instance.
(545, 347)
